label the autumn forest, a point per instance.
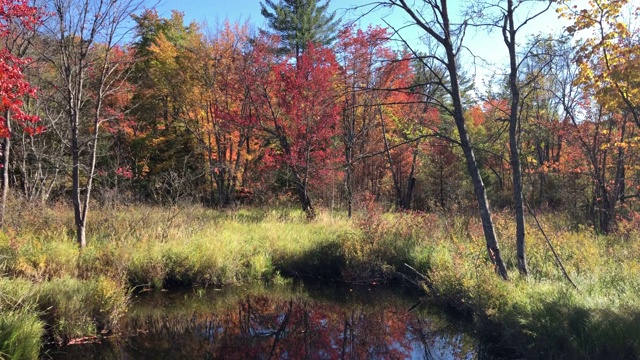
(127, 132)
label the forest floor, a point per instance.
(50, 287)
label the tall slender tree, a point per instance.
(435, 20)
(509, 20)
(300, 22)
(85, 34)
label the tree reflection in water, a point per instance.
(292, 324)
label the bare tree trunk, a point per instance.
(75, 184)
(394, 174)
(92, 169)
(472, 167)
(509, 35)
(481, 196)
(611, 198)
(347, 180)
(349, 129)
(303, 190)
(305, 201)
(5, 170)
(440, 30)
(411, 181)
(79, 25)
(518, 199)
(300, 184)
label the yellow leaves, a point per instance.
(163, 49)
(622, 145)
(158, 140)
(607, 59)
(621, 29)
(618, 144)
(145, 169)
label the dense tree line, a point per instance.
(322, 113)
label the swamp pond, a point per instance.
(283, 322)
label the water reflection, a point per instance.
(294, 323)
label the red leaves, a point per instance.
(296, 107)
(13, 85)
(308, 103)
(125, 172)
(13, 11)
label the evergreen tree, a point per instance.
(300, 22)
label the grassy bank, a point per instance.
(50, 286)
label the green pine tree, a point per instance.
(300, 22)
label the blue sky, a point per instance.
(488, 46)
(212, 10)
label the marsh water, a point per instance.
(282, 322)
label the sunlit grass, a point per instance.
(140, 246)
(66, 308)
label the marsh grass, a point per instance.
(21, 329)
(543, 316)
(81, 293)
(20, 334)
(65, 308)
(74, 308)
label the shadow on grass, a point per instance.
(324, 261)
(560, 329)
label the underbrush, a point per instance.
(70, 293)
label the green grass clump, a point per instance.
(188, 246)
(21, 328)
(21, 331)
(74, 308)
(66, 308)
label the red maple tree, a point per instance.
(14, 87)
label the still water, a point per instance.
(292, 322)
